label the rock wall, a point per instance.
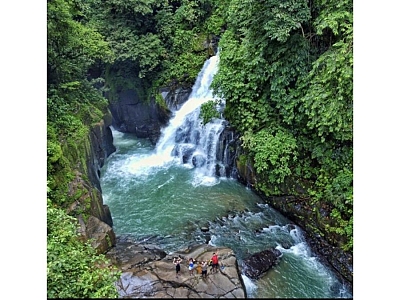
(132, 114)
(145, 119)
(94, 217)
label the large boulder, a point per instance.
(100, 233)
(198, 160)
(148, 272)
(135, 115)
(260, 262)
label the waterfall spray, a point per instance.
(186, 138)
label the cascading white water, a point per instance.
(186, 138)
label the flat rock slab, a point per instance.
(150, 273)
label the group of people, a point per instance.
(204, 265)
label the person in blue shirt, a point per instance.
(191, 266)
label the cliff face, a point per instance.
(94, 217)
(131, 113)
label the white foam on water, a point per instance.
(143, 165)
(249, 284)
(201, 180)
(272, 228)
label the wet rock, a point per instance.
(184, 151)
(147, 273)
(176, 97)
(198, 160)
(285, 245)
(132, 113)
(181, 135)
(260, 262)
(101, 234)
(207, 237)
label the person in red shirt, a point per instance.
(214, 260)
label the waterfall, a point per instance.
(186, 138)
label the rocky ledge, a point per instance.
(148, 272)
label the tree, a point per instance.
(71, 46)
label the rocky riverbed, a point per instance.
(148, 272)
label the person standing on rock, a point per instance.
(214, 260)
(191, 266)
(177, 262)
(204, 267)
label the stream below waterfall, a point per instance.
(167, 193)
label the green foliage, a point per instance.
(274, 153)
(328, 94)
(263, 54)
(268, 20)
(54, 152)
(338, 18)
(183, 69)
(189, 13)
(216, 22)
(139, 7)
(233, 83)
(208, 110)
(74, 270)
(72, 46)
(74, 105)
(162, 41)
(148, 51)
